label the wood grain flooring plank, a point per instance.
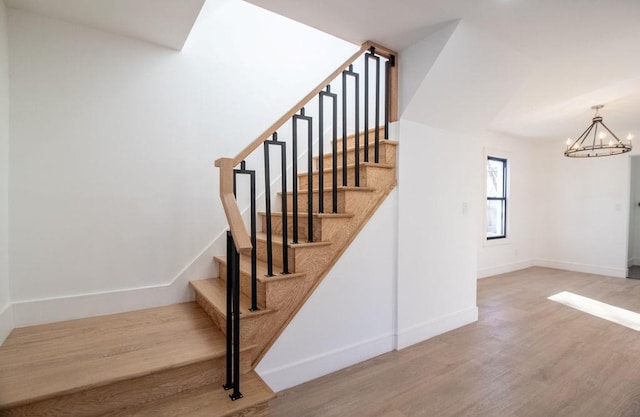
(526, 356)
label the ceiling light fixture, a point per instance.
(604, 142)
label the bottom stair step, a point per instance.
(100, 365)
(211, 296)
(211, 401)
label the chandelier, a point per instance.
(597, 140)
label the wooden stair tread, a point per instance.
(207, 401)
(278, 240)
(372, 132)
(261, 270)
(214, 290)
(372, 144)
(315, 215)
(340, 188)
(41, 362)
(117, 323)
(350, 166)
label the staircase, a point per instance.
(173, 361)
(282, 295)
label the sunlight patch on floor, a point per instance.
(597, 308)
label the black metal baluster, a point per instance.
(294, 185)
(229, 373)
(285, 216)
(334, 176)
(236, 394)
(233, 320)
(310, 182)
(377, 131)
(254, 250)
(357, 150)
(309, 121)
(368, 56)
(267, 176)
(344, 126)
(252, 178)
(356, 77)
(267, 203)
(366, 103)
(321, 152)
(391, 62)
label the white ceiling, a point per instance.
(163, 22)
(577, 53)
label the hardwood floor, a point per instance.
(525, 357)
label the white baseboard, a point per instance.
(6, 322)
(503, 269)
(586, 268)
(49, 310)
(319, 365)
(426, 330)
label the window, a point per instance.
(496, 198)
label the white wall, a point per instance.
(582, 208)
(6, 312)
(517, 250)
(438, 225)
(351, 315)
(113, 194)
(441, 179)
(438, 90)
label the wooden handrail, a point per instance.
(236, 224)
(384, 52)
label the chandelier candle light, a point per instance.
(603, 143)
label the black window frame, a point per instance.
(503, 198)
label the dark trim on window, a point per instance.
(503, 198)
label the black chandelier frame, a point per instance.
(584, 147)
